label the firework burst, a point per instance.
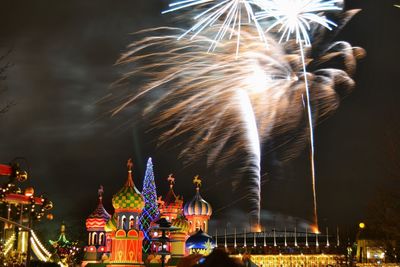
(295, 17)
(298, 18)
(230, 15)
(222, 104)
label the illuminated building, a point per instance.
(197, 211)
(371, 251)
(171, 205)
(122, 228)
(97, 241)
(171, 209)
(180, 236)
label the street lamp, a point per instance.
(164, 226)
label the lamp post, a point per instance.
(164, 226)
(361, 227)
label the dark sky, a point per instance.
(63, 63)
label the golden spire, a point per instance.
(129, 182)
(197, 182)
(171, 181)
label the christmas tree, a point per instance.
(150, 211)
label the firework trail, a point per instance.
(199, 93)
(251, 132)
(230, 15)
(295, 17)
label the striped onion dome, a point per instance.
(182, 223)
(197, 206)
(99, 217)
(129, 197)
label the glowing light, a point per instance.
(361, 225)
(29, 191)
(228, 15)
(37, 251)
(8, 245)
(150, 210)
(257, 228)
(314, 229)
(40, 245)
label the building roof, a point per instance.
(197, 206)
(99, 217)
(128, 197)
(200, 240)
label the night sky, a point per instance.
(63, 55)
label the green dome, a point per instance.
(128, 198)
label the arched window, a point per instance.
(204, 226)
(131, 222)
(94, 238)
(101, 239)
(118, 223)
(123, 220)
(198, 225)
(90, 239)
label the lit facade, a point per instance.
(123, 227)
(97, 237)
(116, 240)
(178, 248)
(198, 211)
(171, 205)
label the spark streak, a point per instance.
(229, 14)
(253, 142)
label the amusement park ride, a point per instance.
(18, 210)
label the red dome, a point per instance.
(99, 217)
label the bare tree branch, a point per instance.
(4, 66)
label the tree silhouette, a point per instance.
(4, 66)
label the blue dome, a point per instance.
(197, 206)
(200, 241)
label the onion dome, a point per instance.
(129, 197)
(99, 217)
(200, 241)
(182, 223)
(197, 206)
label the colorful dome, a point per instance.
(200, 241)
(182, 223)
(129, 197)
(197, 206)
(99, 217)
